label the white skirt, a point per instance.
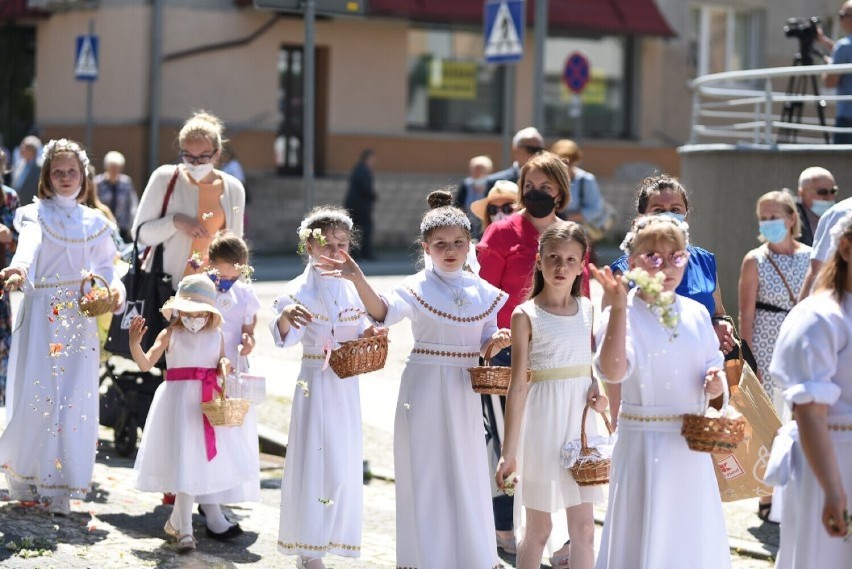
(173, 454)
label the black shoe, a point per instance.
(230, 533)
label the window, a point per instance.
(725, 39)
(450, 87)
(604, 109)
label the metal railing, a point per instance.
(746, 108)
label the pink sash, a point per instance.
(207, 377)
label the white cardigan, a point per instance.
(154, 229)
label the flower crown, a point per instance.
(305, 231)
(647, 220)
(839, 229)
(65, 145)
(444, 217)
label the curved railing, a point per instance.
(747, 107)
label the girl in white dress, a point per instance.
(51, 434)
(661, 359)
(181, 452)
(443, 494)
(322, 487)
(238, 304)
(552, 336)
(813, 361)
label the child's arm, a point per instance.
(247, 337)
(146, 361)
(613, 348)
(295, 316)
(516, 399)
(348, 269)
(812, 419)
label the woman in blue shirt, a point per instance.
(664, 195)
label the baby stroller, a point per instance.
(125, 399)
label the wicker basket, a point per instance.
(590, 468)
(98, 306)
(713, 434)
(223, 411)
(359, 356)
(491, 380)
(244, 385)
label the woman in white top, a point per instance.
(204, 200)
(813, 360)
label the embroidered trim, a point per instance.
(34, 479)
(425, 352)
(313, 357)
(331, 545)
(839, 427)
(452, 317)
(64, 239)
(651, 418)
(56, 284)
(321, 317)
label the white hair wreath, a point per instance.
(645, 221)
(839, 229)
(444, 217)
(65, 145)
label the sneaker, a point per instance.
(60, 505)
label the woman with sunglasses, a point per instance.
(204, 200)
(665, 195)
(499, 203)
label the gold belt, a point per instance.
(444, 353)
(651, 418)
(568, 372)
(313, 356)
(846, 427)
(55, 284)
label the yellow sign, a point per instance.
(452, 79)
(593, 94)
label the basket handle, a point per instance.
(92, 278)
(584, 442)
(488, 354)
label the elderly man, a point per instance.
(526, 143)
(817, 193)
(841, 52)
(116, 191)
(472, 189)
(27, 170)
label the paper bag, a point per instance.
(740, 474)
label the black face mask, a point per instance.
(539, 203)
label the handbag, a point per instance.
(146, 293)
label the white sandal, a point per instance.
(186, 543)
(312, 563)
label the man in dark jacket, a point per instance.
(360, 199)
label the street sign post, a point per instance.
(86, 69)
(504, 31)
(576, 74)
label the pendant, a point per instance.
(458, 298)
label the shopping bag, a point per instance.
(740, 473)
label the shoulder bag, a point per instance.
(146, 293)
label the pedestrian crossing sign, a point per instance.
(86, 59)
(504, 31)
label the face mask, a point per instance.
(198, 171)
(819, 207)
(773, 230)
(193, 323)
(678, 216)
(539, 203)
(222, 285)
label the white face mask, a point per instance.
(199, 171)
(194, 323)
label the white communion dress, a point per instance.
(443, 494)
(813, 362)
(664, 509)
(51, 435)
(560, 357)
(322, 486)
(174, 455)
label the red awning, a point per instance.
(620, 17)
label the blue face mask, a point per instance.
(678, 216)
(819, 207)
(222, 285)
(773, 230)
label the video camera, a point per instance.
(805, 29)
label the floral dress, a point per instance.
(7, 215)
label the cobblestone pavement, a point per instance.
(118, 526)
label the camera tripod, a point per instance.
(798, 85)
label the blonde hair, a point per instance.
(656, 229)
(785, 199)
(567, 149)
(203, 126)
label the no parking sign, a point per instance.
(576, 74)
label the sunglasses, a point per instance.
(507, 208)
(654, 260)
(824, 192)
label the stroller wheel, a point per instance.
(125, 434)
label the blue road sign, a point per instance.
(504, 31)
(576, 72)
(86, 58)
